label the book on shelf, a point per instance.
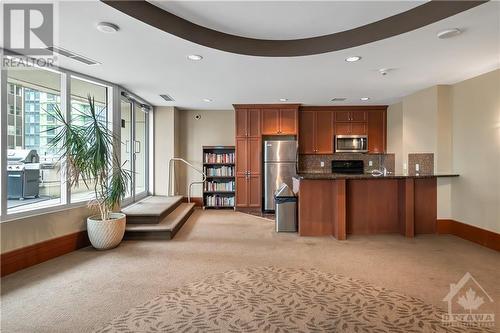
(218, 158)
(219, 201)
(211, 186)
(221, 171)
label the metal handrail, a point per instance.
(171, 163)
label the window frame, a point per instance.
(114, 93)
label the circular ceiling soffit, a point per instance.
(409, 20)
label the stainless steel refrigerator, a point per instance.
(280, 160)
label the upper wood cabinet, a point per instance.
(377, 131)
(354, 115)
(270, 121)
(316, 132)
(279, 121)
(319, 124)
(247, 122)
(350, 128)
(307, 132)
(289, 121)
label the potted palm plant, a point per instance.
(86, 145)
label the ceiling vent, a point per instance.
(338, 99)
(167, 98)
(73, 55)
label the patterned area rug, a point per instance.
(270, 299)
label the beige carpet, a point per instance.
(270, 299)
(85, 290)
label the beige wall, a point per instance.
(165, 128)
(395, 134)
(475, 195)
(213, 128)
(27, 231)
(420, 122)
(460, 124)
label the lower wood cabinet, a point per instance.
(248, 172)
(248, 191)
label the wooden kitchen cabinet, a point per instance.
(248, 157)
(279, 121)
(324, 132)
(254, 191)
(254, 159)
(377, 131)
(247, 122)
(241, 156)
(342, 128)
(316, 132)
(248, 172)
(349, 116)
(248, 191)
(242, 191)
(270, 121)
(350, 128)
(358, 129)
(241, 122)
(307, 132)
(288, 121)
(359, 116)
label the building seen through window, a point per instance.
(34, 177)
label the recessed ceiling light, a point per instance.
(195, 57)
(208, 100)
(353, 58)
(448, 33)
(364, 98)
(107, 27)
(283, 99)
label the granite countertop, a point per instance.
(333, 176)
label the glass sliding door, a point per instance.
(126, 144)
(134, 148)
(140, 150)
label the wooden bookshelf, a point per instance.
(219, 187)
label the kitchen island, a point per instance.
(337, 204)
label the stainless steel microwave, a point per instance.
(351, 143)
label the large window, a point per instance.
(33, 167)
(80, 91)
(34, 176)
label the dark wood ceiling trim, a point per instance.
(412, 19)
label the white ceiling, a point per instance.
(284, 19)
(150, 62)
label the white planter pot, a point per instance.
(106, 234)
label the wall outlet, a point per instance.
(417, 167)
(370, 163)
(322, 164)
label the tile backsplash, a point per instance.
(312, 163)
(425, 162)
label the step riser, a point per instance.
(161, 234)
(135, 219)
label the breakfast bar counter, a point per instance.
(340, 204)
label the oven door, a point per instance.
(351, 143)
